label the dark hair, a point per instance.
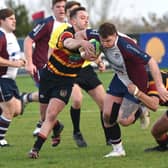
(75, 11)
(107, 29)
(55, 1)
(6, 12)
(70, 4)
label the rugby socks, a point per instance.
(107, 131)
(75, 117)
(137, 114)
(4, 124)
(27, 98)
(39, 124)
(116, 134)
(39, 142)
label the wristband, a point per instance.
(136, 91)
(82, 52)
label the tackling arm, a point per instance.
(163, 93)
(151, 102)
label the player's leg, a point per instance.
(55, 106)
(56, 95)
(30, 97)
(127, 112)
(10, 104)
(110, 113)
(113, 113)
(75, 111)
(159, 132)
(98, 95)
(42, 108)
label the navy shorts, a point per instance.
(117, 88)
(54, 86)
(8, 89)
(87, 78)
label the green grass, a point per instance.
(67, 155)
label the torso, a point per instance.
(41, 35)
(65, 62)
(9, 50)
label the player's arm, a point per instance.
(11, 63)
(28, 51)
(72, 43)
(163, 93)
(151, 102)
(81, 34)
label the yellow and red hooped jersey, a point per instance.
(65, 62)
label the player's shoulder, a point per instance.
(2, 33)
(45, 21)
(60, 28)
(92, 34)
(125, 38)
(48, 19)
(69, 29)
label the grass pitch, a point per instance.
(67, 155)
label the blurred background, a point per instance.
(145, 20)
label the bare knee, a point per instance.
(76, 104)
(126, 121)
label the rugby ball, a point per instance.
(96, 45)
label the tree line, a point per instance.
(98, 14)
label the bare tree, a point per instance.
(99, 10)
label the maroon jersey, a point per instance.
(3, 51)
(41, 35)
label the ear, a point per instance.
(72, 21)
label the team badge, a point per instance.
(63, 93)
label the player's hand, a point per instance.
(30, 68)
(20, 63)
(163, 93)
(101, 66)
(87, 51)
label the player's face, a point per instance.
(108, 42)
(81, 20)
(59, 11)
(9, 24)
